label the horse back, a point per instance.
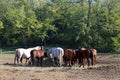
(38, 53)
(19, 51)
(69, 54)
(85, 53)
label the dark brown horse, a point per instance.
(94, 53)
(36, 56)
(83, 54)
(68, 57)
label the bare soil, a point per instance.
(107, 68)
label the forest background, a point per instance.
(69, 23)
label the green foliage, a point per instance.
(116, 43)
(1, 24)
(72, 23)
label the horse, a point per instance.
(37, 55)
(21, 53)
(82, 54)
(56, 55)
(94, 52)
(68, 57)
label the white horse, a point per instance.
(24, 53)
(56, 54)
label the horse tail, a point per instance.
(16, 53)
(61, 56)
(60, 59)
(91, 57)
(95, 56)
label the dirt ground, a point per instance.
(107, 68)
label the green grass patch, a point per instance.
(7, 52)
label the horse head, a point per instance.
(45, 54)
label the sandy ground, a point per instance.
(107, 68)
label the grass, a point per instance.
(7, 52)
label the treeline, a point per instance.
(72, 23)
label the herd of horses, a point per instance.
(58, 56)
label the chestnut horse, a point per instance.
(82, 54)
(37, 55)
(94, 52)
(68, 57)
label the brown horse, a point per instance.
(94, 52)
(37, 55)
(82, 54)
(68, 57)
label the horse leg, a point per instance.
(29, 62)
(69, 63)
(83, 62)
(21, 59)
(26, 60)
(53, 62)
(38, 61)
(88, 62)
(95, 57)
(32, 58)
(65, 62)
(18, 60)
(58, 62)
(80, 62)
(32, 61)
(41, 61)
(15, 59)
(92, 57)
(92, 61)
